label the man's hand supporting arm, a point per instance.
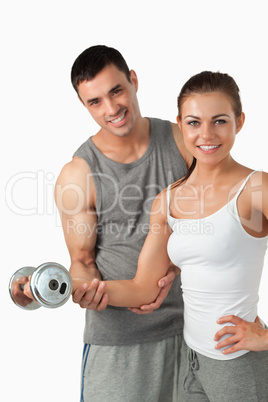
(164, 285)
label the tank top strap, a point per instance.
(243, 184)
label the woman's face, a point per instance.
(209, 126)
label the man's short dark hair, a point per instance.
(92, 60)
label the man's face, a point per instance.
(111, 100)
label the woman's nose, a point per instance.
(206, 132)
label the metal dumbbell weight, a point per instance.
(50, 285)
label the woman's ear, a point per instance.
(179, 122)
(240, 122)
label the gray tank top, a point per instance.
(125, 193)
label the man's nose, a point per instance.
(112, 108)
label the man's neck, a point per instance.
(125, 149)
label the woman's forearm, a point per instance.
(124, 293)
(130, 293)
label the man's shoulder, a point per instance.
(173, 128)
(164, 122)
(179, 141)
(75, 186)
(84, 146)
(160, 121)
(73, 171)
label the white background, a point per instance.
(43, 123)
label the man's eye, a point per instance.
(117, 91)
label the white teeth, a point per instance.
(208, 147)
(118, 119)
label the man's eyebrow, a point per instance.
(118, 86)
(92, 100)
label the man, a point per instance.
(104, 196)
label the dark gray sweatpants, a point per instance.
(244, 379)
(145, 372)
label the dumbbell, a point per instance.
(50, 284)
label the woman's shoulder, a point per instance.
(259, 178)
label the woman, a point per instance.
(213, 224)
(219, 220)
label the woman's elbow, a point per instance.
(147, 294)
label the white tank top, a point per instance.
(221, 267)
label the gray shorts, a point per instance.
(244, 379)
(146, 372)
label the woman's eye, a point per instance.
(193, 123)
(220, 121)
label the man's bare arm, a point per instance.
(75, 198)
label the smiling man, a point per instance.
(115, 108)
(104, 196)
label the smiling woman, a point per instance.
(206, 131)
(220, 273)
